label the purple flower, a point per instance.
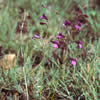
(73, 62)
(36, 36)
(44, 17)
(79, 44)
(60, 35)
(66, 23)
(55, 44)
(78, 26)
(79, 23)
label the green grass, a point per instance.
(55, 81)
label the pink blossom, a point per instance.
(73, 61)
(55, 45)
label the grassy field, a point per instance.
(57, 50)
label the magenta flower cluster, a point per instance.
(57, 43)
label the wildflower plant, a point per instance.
(62, 41)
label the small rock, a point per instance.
(8, 61)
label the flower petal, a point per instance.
(55, 45)
(73, 62)
(60, 35)
(66, 23)
(79, 44)
(36, 36)
(43, 17)
(78, 27)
